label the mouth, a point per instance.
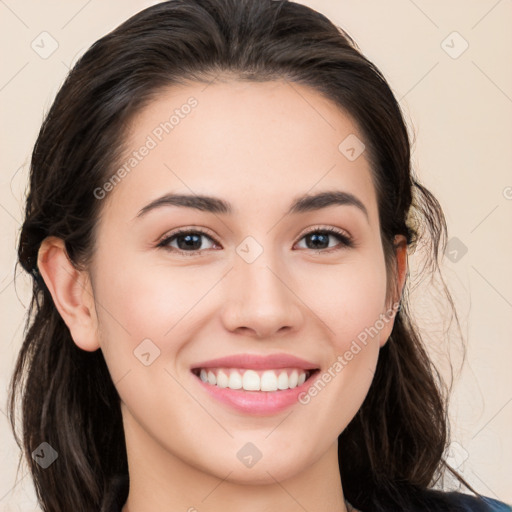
(255, 384)
(247, 379)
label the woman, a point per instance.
(193, 344)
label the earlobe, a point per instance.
(71, 292)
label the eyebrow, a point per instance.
(302, 204)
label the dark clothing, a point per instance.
(433, 501)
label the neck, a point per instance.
(160, 480)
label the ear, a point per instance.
(71, 291)
(400, 246)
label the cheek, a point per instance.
(349, 298)
(134, 305)
(147, 300)
(141, 302)
(144, 322)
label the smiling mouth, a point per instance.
(241, 379)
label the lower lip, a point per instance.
(257, 402)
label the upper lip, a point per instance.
(257, 362)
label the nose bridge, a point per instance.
(259, 296)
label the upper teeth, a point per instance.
(251, 380)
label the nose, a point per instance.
(260, 300)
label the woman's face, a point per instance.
(255, 277)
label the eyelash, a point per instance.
(346, 240)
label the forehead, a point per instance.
(266, 141)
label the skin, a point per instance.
(258, 146)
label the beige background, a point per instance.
(458, 105)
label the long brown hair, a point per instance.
(393, 447)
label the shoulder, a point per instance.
(473, 503)
(429, 500)
(460, 502)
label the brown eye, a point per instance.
(188, 242)
(319, 239)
